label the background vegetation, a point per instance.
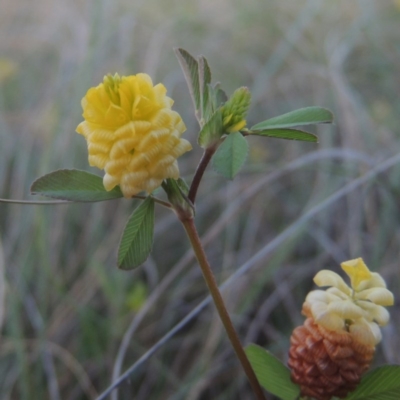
(65, 307)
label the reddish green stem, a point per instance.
(191, 231)
(205, 159)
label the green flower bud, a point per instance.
(234, 111)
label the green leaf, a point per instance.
(137, 239)
(177, 191)
(212, 130)
(231, 155)
(190, 68)
(74, 185)
(216, 99)
(382, 383)
(302, 116)
(271, 373)
(204, 83)
(289, 134)
(219, 96)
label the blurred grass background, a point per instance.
(65, 307)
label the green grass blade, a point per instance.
(137, 239)
(302, 116)
(231, 155)
(288, 134)
(380, 384)
(271, 373)
(74, 185)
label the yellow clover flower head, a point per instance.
(358, 309)
(132, 133)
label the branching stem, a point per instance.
(205, 159)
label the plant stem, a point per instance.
(35, 203)
(205, 159)
(56, 202)
(191, 231)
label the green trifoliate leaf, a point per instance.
(235, 110)
(74, 185)
(271, 373)
(211, 131)
(230, 155)
(289, 134)
(380, 384)
(137, 239)
(302, 116)
(190, 68)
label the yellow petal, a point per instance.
(321, 314)
(339, 295)
(365, 332)
(317, 295)
(375, 281)
(238, 126)
(346, 309)
(109, 182)
(318, 308)
(330, 321)
(381, 296)
(321, 295)
(357, 271)
(375, 312)
(330, 278)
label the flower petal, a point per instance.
(330, 278)
(330, 321)
(346, 309)
(375, 312)
(381, 296)
(357, 271)
(318, 308)
(317, 295)
(375, 281)
(338, 294)
(366, 332)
